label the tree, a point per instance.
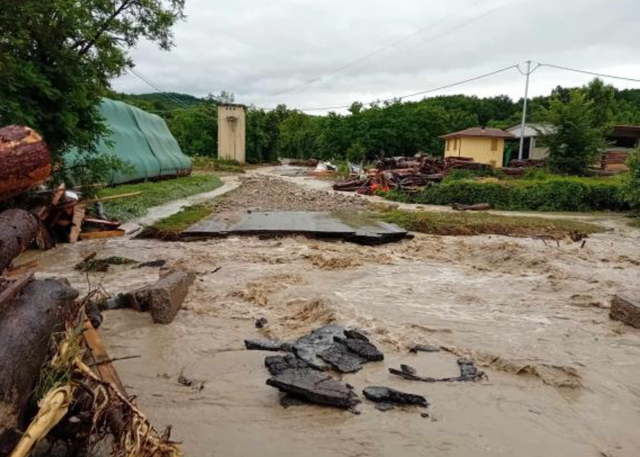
(603, 98)
(632, 183)
(574, 142)
(57, 57)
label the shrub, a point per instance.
(632, 183)
(554, 194)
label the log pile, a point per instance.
(406, 173)
(615, 161)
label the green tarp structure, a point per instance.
(140, 139)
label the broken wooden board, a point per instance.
(317, 224)
(102, 234)
(76, 222)
(100, 360)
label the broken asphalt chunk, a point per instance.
(315, 387)
(278, 364)
(265, 345)
(341, 358)
(625, 309)
(386, 395)
(308, 346)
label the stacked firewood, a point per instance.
(406, 173)
(615, 161)
(517, 167)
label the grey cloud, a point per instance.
(258, 48)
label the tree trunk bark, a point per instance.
(18, 229)
(25, 160)
(26, 327)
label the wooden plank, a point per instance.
(91, 220)
(101, 361)
(103, 199)
(58, 194)
(14, 289)
(21, 270)
(100, 235)
(76, 227)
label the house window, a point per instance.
(494, 145)
(449, 145)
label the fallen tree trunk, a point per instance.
(26, 327)
(25, 160)
(18, 229)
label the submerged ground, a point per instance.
(563, 380)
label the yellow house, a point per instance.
(483, 145)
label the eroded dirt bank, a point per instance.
(563, 379)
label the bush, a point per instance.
(554, 194)
(632, 183)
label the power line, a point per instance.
(415, 94)
(160, 91)
(373, 53)
(401, 40)
(592, 73)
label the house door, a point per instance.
(526, 149)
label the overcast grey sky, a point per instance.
(268, 51)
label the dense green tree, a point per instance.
(57, 57)
(575, 142)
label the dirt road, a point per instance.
(563, 379)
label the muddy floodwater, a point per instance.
(563, 380)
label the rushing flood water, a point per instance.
(563, 379)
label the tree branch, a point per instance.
(86, 47)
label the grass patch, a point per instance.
(213, 164)
(154, 194)
(469, 224)
(170, 227)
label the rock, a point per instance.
(278, 364)
(392, 396)
(264, 345)
(355, 335)
(625, 309)
(384, 407)
(310, 345)
(262, 322)
(341, 358)
(408, 369)
(468, 370)
(424, 348)
(164, 298)
(364, 349)
(315, 387)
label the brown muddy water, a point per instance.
(563, 380)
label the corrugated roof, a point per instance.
(479, 132)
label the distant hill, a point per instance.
(158, 102)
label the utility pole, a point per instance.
(524, 110)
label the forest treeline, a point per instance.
(368, 131)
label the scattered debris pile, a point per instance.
(406, 173)
(65, 217)
(303, 374)
(57, 384)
